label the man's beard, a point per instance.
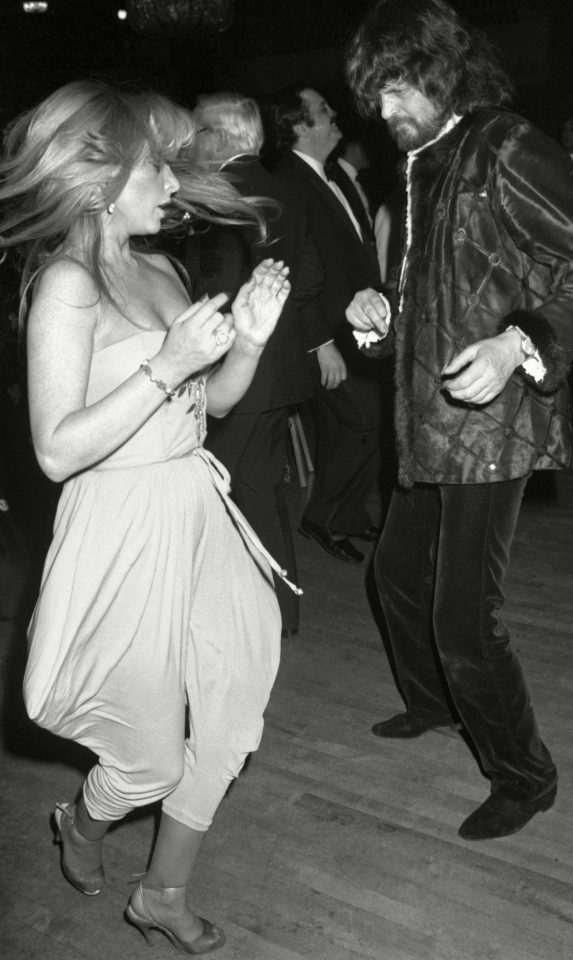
(410, 134)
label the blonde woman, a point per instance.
(156, 596)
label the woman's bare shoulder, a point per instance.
(65, 293)
(69, 280)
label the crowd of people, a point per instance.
(160, 386)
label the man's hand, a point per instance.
(368, 311)
(485, 367)
(332, 366)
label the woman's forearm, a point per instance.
(229, 383)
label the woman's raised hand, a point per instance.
(259, 302)
(198, 337)
(202, 334)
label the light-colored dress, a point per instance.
(153, 598)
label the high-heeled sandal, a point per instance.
(142, 918)
(81, 859)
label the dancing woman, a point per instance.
(157, 599)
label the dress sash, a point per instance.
(222, 483)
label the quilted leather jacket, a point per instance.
(491, 245)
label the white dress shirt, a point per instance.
(352, 172)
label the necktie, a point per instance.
(342, 182)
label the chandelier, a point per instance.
(177, 18)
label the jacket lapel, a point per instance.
(327, 195)
(335, 172)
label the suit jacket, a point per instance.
(221, 258)
(349, 264)
(335, 172)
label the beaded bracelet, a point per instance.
(158, 383)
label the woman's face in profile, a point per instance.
(140, 207)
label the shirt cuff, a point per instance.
(533, 364)
(325, 344)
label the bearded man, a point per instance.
(481, 333)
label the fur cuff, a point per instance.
(555, 359)
(379, 349)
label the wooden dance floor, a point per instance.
(333, 844)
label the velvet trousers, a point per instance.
(440, 569)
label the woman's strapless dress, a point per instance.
(152, 589)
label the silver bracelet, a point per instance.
(158, 383)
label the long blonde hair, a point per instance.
(67, 159)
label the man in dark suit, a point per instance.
(251, 440)
(347, 396)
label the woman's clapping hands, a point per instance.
(259, 302)
(203, 334)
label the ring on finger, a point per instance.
(221, 337)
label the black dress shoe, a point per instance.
(289, 634)
(404, 726)
(500, 817)
(339, 547)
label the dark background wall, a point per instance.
(268, 43)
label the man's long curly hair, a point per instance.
(425, 43)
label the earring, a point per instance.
(110, 207)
